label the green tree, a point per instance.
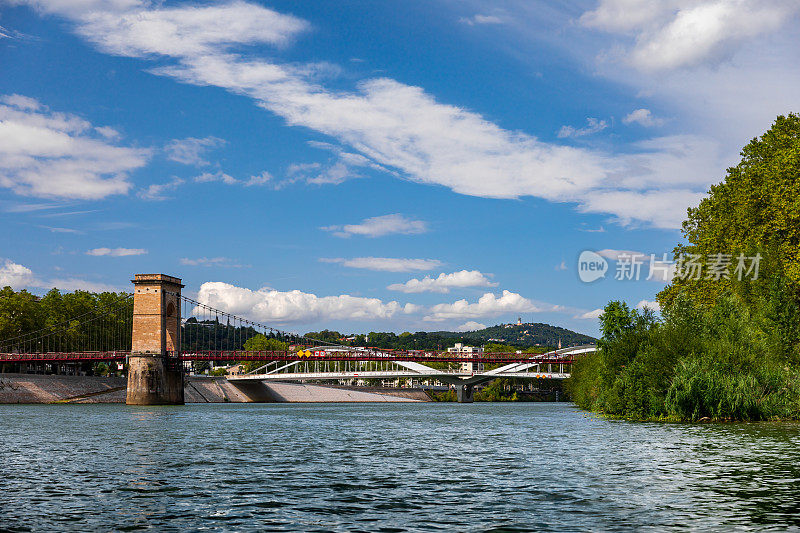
(756, 208)
(262, 343)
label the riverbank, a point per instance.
(43, 389)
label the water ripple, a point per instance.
(393, 467)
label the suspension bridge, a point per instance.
(157, 332)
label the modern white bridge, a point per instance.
(552, 365)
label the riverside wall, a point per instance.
(36, 388)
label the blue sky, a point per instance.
(374, 165)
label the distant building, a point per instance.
(467, 367)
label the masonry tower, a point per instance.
(155, 378)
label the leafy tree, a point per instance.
(755, 209)
(727, 348)
(262, 343)
(494, 347)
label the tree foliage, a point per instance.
(755, 209)
(727, 348)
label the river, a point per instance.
(388, 467)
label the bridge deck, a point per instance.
(239, 355)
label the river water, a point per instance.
(388, 467)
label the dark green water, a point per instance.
(388, 467)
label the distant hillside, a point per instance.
(522, 336)
(526, 335)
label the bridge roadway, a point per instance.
(563, 356)
(464, 382)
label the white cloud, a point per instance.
(116, 252)
(643, 117)
(389, 125)
(265, 178)
(25, 103)
(487, 305)
(593, 125)
(686, 33)
(182, 31)
(16, 276)
(207, 177)
(663, 209)
(341, 166)
(444, 282)
(21, 277)
(108, 132)
(259, 179)
(273, 306)
(380, 226)
(50, 154)
(158, 191)
(611, 253)
(385, 264)
(481, 19)
(190, 151)
(222, 262)
(590, 315)
(649, 304)
(471, 326)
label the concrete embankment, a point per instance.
(33, 388)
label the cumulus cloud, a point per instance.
(386, 264)
(487, 305)
(16, 276)
(643, 117)
(59, 155)
(272, 306)
(380, 226)
(471, 326)
(593, 125)
(116, 252)
(686, 33)
(444, 282)
(190, 151)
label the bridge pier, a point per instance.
(464, 393)
(155, 377)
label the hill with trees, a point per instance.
(523, 336)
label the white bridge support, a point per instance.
(537, 367)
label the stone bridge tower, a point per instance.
(153, 377)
